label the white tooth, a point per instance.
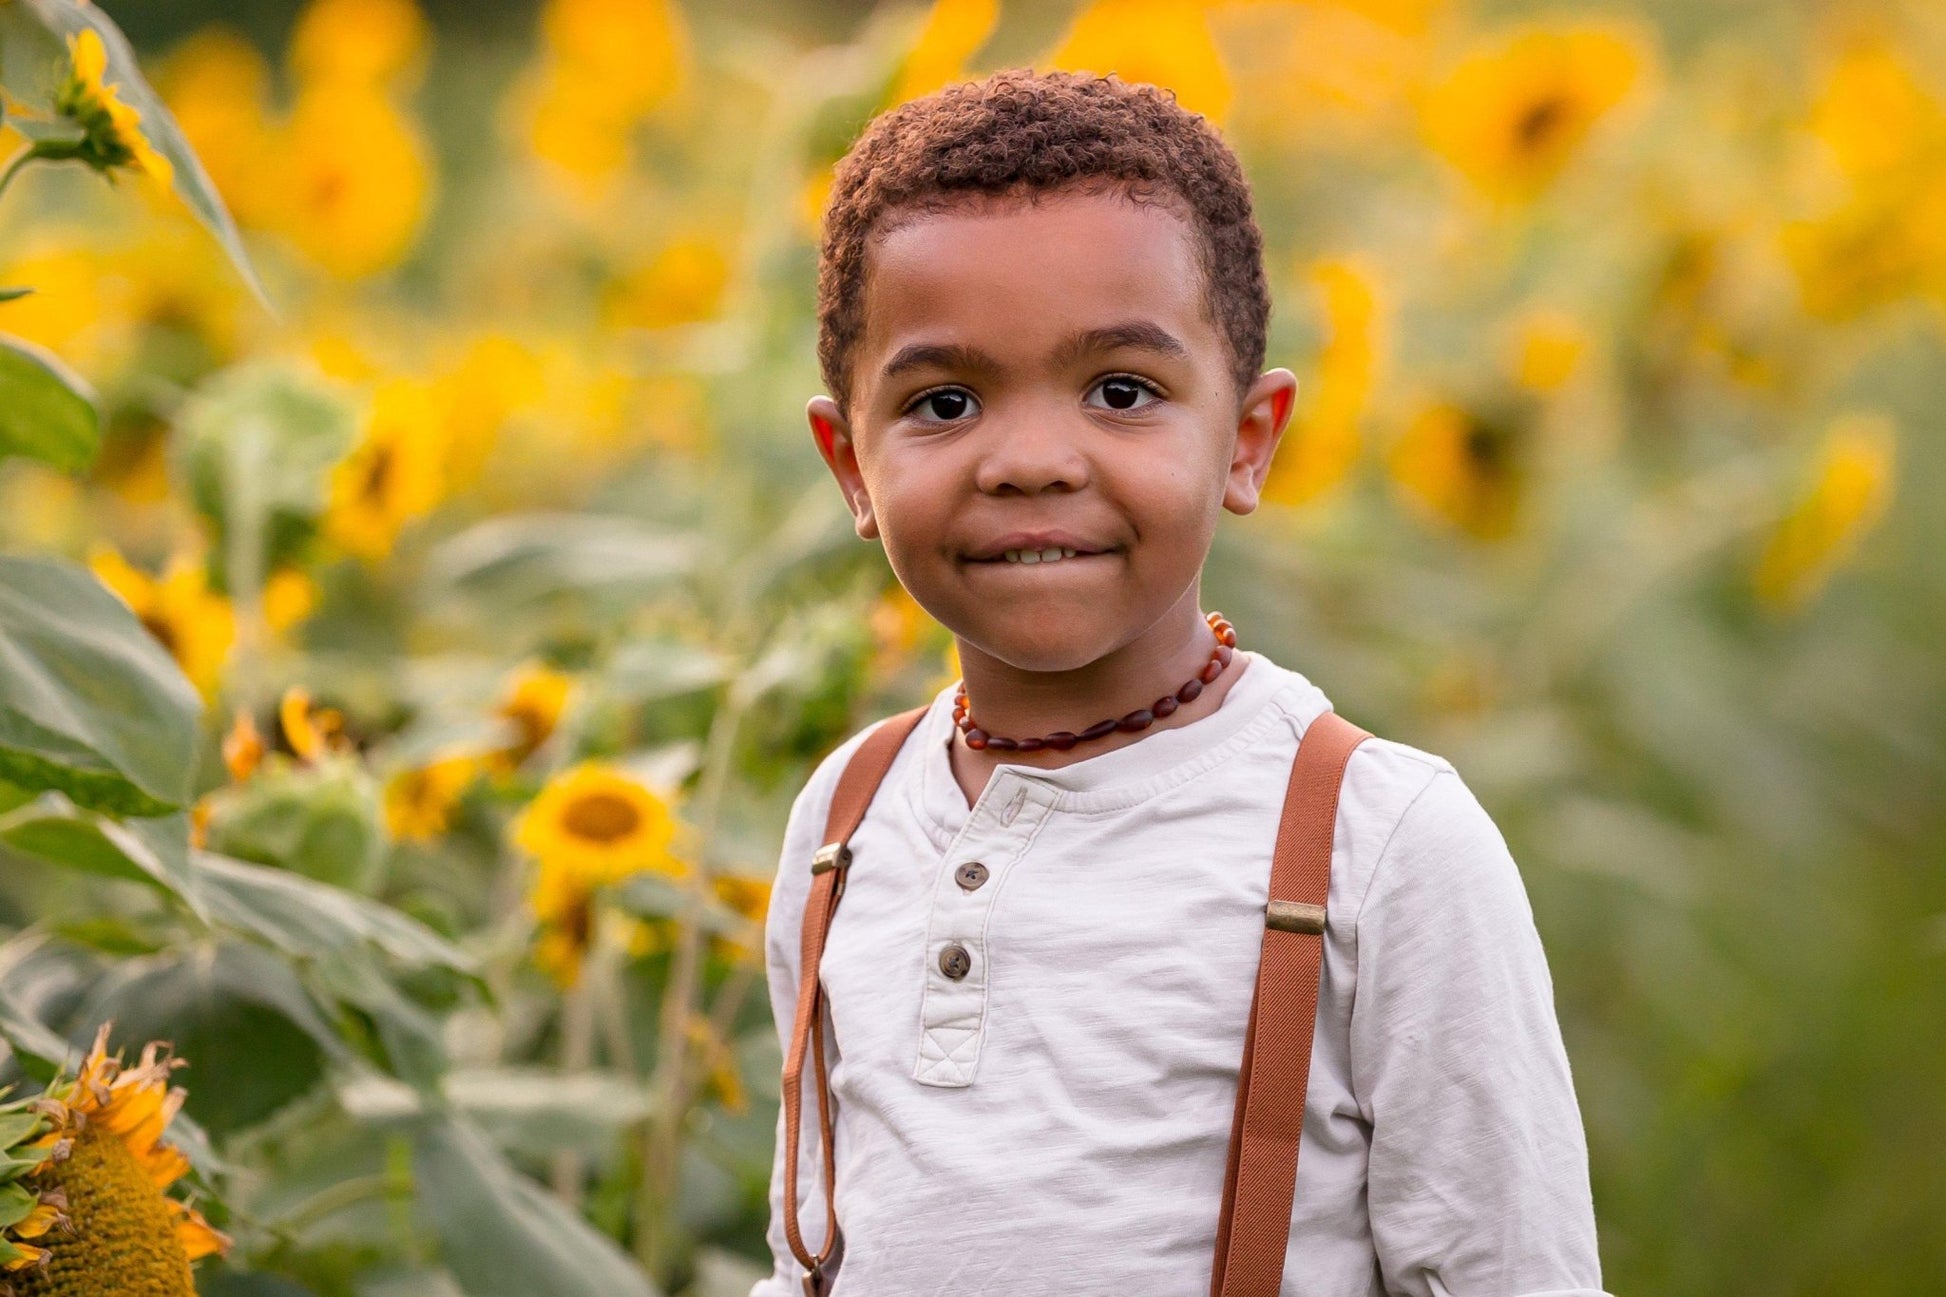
(1012, 556)
(1068, 553)
(1030, 556)
(1052, 554)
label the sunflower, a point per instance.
(310, 731)
(93, 1213)
(1163, 42)
(359, 42)
(113, 136)
(354, 179)
(1516, 109)
(1848, 492)
(600, 823)
(1323, 443)
(953, 31)
(393, 476)
(419, 803)
(532, 703)
(605, 66)
(178, 608)
(1461, 467)
(750, 898)
(591, 826)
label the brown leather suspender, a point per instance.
(1260, 1178)
(1258, 1184)
(856, 787)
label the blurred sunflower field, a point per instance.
(420, 600)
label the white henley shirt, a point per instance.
(1057, 1121)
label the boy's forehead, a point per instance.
(1019, 271)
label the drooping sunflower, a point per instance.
(1516, 109)
(394, 475)
(532, 703)
(1462, 467)
(113, 136)
(94, 1215)
(1849, 489)
(419, 802)
(196, 625)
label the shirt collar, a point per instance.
(1093, 781)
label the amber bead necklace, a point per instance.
(1135, 721)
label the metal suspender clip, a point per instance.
(832, 855)
(1294, 916)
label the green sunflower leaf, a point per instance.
(254, 1037)
(47, 411)
(90, 704)
(501, 1234)
(37, 1049)
(14, 1127)
(15, 1204)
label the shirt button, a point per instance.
(970, 875)
(955, 962)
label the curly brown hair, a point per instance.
(1024, 132)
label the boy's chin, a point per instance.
(1054, 645)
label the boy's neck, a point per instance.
(1006, 700)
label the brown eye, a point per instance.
(1121, 392)
(947, 405)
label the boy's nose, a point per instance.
(1027, 457)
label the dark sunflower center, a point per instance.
(124, 1240)
(601, 817)
(378, 473)
(1541, 122)
(164, 631)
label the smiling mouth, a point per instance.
(1038, 557)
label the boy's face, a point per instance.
(1045, 375)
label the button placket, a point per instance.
(997, 832)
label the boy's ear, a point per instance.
(833, 435)
(1266, 411)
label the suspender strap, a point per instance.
(1255, 1225)
(856, 785)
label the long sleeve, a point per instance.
(1478, 1173)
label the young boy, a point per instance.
(1042, 310)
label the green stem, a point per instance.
(333, 1199)
(20, 160)
(662, 1155)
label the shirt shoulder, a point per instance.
(804, 834)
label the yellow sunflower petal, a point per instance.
(197, 1236)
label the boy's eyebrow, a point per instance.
(1141, 334)
(940, 355)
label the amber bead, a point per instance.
(1227, 635)
(1164, 705)
(1002, 745)
(1097, 730)
(1140, 719)
(1211, 670)
(976, 739)
(1224, 654)
(1190, 692)
(1062, 740)
(1030, 745)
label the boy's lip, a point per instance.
(997, 549)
